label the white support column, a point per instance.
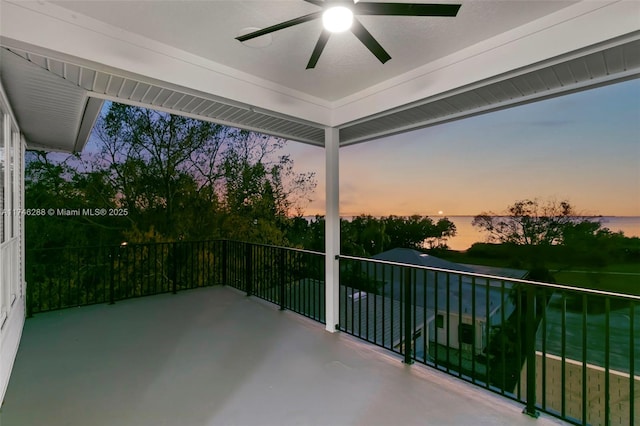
(332, 228)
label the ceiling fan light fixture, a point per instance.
(337, 16)
(337, 19)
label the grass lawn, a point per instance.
(620, 277)
(627, 282)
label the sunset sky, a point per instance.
(583, 147)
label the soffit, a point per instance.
(555, 77)
(49, 110)
(51, 94)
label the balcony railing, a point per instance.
(565, 351)
(61, 278)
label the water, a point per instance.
(468, 234)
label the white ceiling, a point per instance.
(208, 29)
(182, 57)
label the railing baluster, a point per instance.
(563, 353)
(281, 274)
(68, 264)
(459, 325)
(391, 302)
(487, 341)
(366, 302)
(607, 384)
(519, 337)
(174, 266)
(111, 277)
(632, 364)
(408, 335)
(249, 270)
(353, 324)
(447, 322)
(358, 300)
(530, 345)
(544, 348)
(473, 329)
(436, 298)
(425, 325)
(584, 359)
(78, 278)
(154, 276)
(375, 303)
(381, 324)
(225, 262)
(503, 338)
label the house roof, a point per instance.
(414, 257)
(463, 290)
(182, 57)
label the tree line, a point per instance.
(532, 234)
(172, 178)
(366, 235)
(157, 177)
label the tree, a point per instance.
(155, 164)
(530, 222)
(444, 229)
(260, 189)
(55, 194)
(176, 177)
(535, 233)
(418, 232)
(366, 235)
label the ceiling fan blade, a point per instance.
(320, 3)
(367, 39)
(280, 26)
(317, 51)
(405, 9)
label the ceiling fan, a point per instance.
(338, 16)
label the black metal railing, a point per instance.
(566, 351)
(67, 277)
(291, 278)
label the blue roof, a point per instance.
(414, 257)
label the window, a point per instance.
(440, 321)
(465, 334)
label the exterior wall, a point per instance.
(12, 287)
(453, 323)
(618, 391)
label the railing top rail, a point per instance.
(128, 244)
(105, 246)
(495, 277)
(279, 247)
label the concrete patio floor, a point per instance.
(215, 357)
